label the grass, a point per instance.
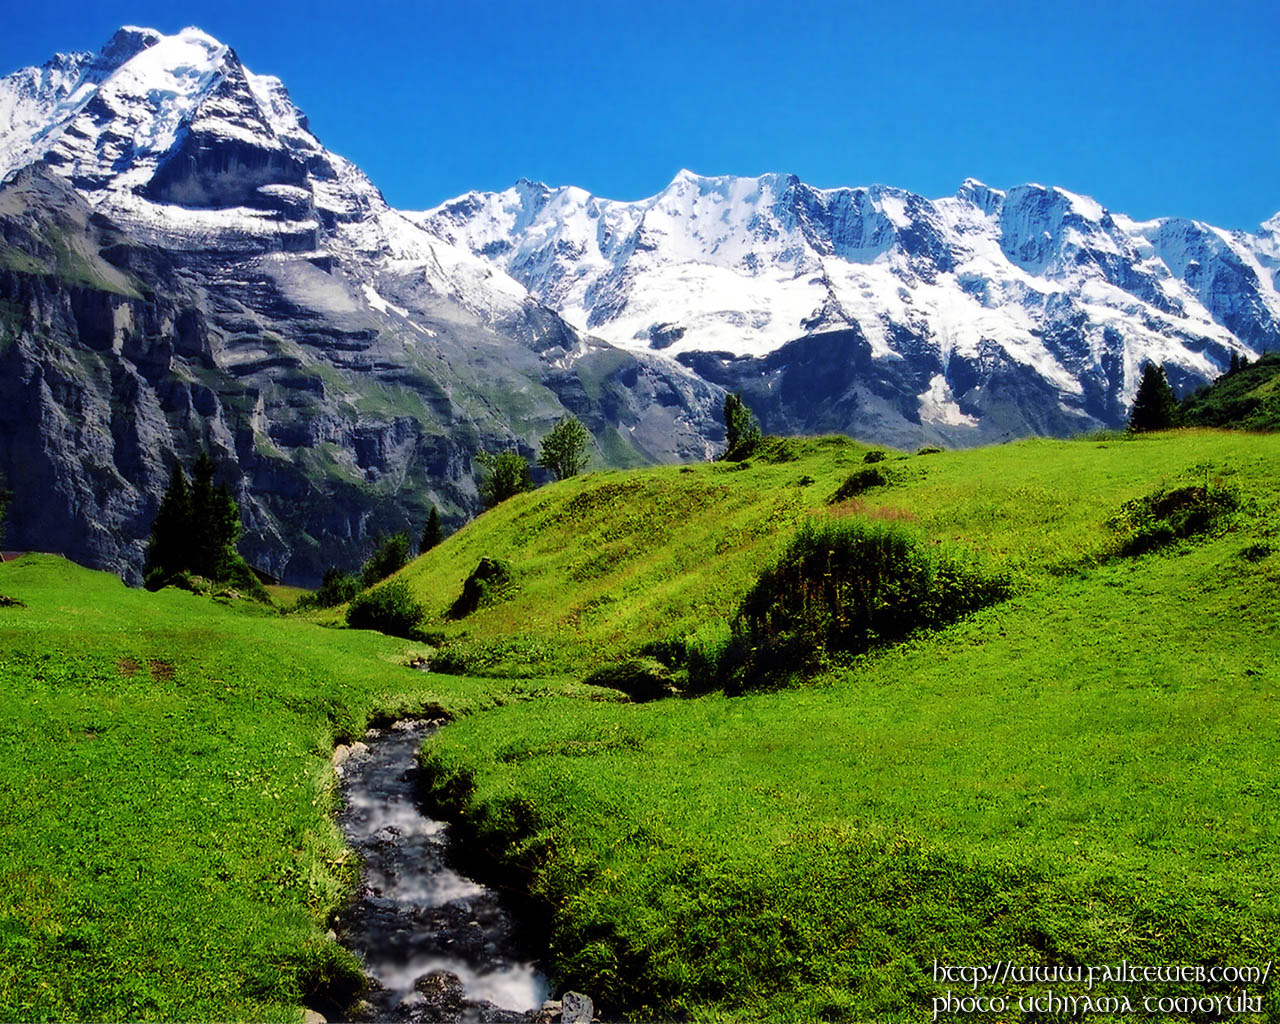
(1081, 774)
(166, 846)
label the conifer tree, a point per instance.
(169, 549)
(1154, 407)
(432, 533)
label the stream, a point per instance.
(436, 945)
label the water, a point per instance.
(436, 945)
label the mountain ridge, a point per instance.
(343, 366)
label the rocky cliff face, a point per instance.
(875, 311)
(183, 265)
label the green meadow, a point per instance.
(1083, 773)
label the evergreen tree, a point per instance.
(507, 474)
(169, 550)
(564, 449)
(432, 533)
(205, 555)
(195, 531)
(6, 496)
(1235, 362)
(1154, 407)
(741, 431)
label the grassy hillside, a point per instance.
(1247, 399)
(608, 562)
(1080, 774)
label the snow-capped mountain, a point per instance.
(182, 263)
(957, 310)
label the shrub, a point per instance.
(845, 586)
(390, 609)
(389, 556)
(485, 584)
(506, 475)
(858, 481)
(641, 679)
(875, 455)
(336, 587)
(1158, 519)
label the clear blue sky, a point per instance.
(1168, 108)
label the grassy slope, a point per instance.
(612, 560)
(1083, 773)
(165, 845)
(1248, 399)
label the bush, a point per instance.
(389, 609)
(845, 586)
(506, 475)
(485, 584)
(336, 587)
(641, 679)
(389, 556)
(875, 455)
(1158, 519)
(858, 481)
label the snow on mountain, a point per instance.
(173, 136)
(225, 281)
(1038, 277)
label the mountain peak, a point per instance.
(127, 43)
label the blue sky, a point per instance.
(1155, 109)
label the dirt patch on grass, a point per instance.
(127, 667)
(858, 507)
(160, 669)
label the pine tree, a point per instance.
(432, 533)
(1154, 407)
(205, 554)
(169, 549)
(1235, 363)
(564, 449)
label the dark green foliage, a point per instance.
(928, 450)
(194, 534)
(1246, 398)
(390, 608)
(741, 431)
(1154, 407)
(389, 556)
(641, 679)
(875, 455)
(845, 586)
(5, 497)
(432, 533)
(167, 552)
(485, 584)
(1256, 552)
(860, 480)
(506, 475)
(564, 449)
(1158, 519)
(336, 587)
